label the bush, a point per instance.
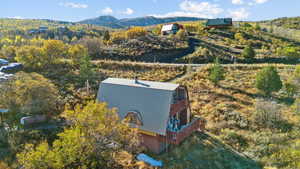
(290, 52)
(232, 138)
(268, 80)
(135, 32)
(267, 114)
(248, 52)
(181, 34)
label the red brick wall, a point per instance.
(152, 143)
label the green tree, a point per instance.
(268, 80)
(248, 52)
(85, 69)
(95, 138)
(106, 36)
(216, 72)
(29, 93)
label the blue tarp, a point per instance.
(149, 160)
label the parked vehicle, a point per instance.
(3, 62)
(11, 68)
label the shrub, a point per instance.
(290, 52)
(248, 52)
(268, 80)
(267, 114)
(181, 34)
(135, 32)
(232, 138)
(157, 30)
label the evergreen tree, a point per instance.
(216, 72)
(86, 68)
(268, 80)
(106, 36)
(248, 52)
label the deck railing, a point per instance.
(178, 136)
(178, 106)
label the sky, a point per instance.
(76, 10)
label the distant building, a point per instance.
(219, 23)
(161, 111)
(171, 29)
(43, 29)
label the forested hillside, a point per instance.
(243, 80)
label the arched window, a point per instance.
(134, 118)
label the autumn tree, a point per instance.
(181, 34)
(268, 80)
(135, 32)
(31, 56)
(216, 72)
(93, 46)
(76, 53)
(29, 93)
(54, 50)
(94, 139)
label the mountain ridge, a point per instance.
(110, 21)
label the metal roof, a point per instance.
(142, 83)
(167, 27)
(152, 100)
(219, 21)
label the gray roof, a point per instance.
(151, 99)
(219, 21)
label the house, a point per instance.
(161, 111)
(171, 29)
(219, 23)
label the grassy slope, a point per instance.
(215, 103)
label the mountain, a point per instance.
(110, 21)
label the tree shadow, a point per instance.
(203, 151)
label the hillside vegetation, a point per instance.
(251, 109)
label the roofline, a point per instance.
(142, 87)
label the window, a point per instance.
(134, 118)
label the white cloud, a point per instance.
(107, 11)
(237, 2)
(73, 5)
(191, 8)
(260, 1)
(16, 17)
(239, 14)
(128, 11)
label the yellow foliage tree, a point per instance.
(135, 32)
(96, 139)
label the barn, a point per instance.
(219, 23)
(171, 29)
(160, 111)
